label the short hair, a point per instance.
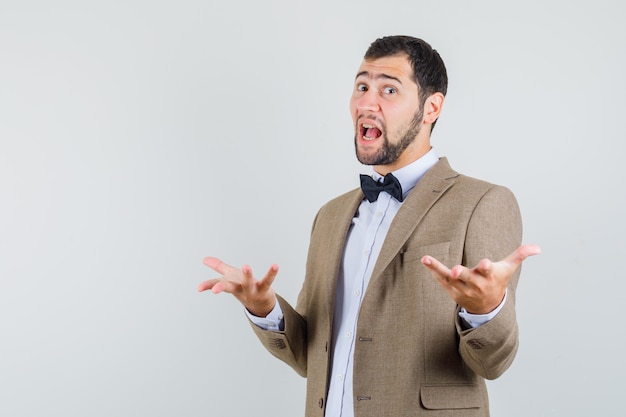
(428, 67)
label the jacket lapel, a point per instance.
(336, 240)
(427, 191)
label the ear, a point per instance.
(432, 107)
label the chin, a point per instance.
(368, 158)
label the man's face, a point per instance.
(386, 112)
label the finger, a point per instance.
(267, 281)
(217, 265)
(207, 285)
(459, 272)
(223, 285)
(441, 273)
(484, 267)
(247, 279)
(518, 256)
(435, 266)
(462, 278)
(219, 287)
(529, 250)
(216, 286)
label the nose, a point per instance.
(368, 101)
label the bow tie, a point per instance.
(372, 188)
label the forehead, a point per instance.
(393, 67)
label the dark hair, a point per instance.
(428, 67)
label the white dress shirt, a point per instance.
(364, 241)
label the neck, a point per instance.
(410, 155)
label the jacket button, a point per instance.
(321, 403)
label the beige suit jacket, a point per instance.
(413, 356)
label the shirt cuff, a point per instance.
(476, 320)
(273, 321)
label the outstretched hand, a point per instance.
(256, 295)
(481, 289)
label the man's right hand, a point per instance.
(257, 296)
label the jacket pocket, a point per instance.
(439, 251)
(442, 397)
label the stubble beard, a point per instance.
(390, 152)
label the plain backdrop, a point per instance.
(137, 137)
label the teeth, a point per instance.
(368, 126)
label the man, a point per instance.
(374, 333)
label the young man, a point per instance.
(382, 327)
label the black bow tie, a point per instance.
(372, 188)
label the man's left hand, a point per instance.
(481, 289)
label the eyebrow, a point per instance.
(377, 76)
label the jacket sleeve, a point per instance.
(288, 345)
(494, 231)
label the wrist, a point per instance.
(262, 309)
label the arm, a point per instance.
(494, 231)
(258, 297)
(289, 344)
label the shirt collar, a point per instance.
(412, 173)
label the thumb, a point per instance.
(518, 256)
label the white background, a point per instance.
(137, 137)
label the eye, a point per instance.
(389, 90)
(361, 87)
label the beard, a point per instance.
(390, 152)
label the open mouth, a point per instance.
(370, 132)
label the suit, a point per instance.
(413, 356)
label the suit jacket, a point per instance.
(413, 356)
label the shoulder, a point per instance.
(464, 185)
(478, 187)
(337, 206)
